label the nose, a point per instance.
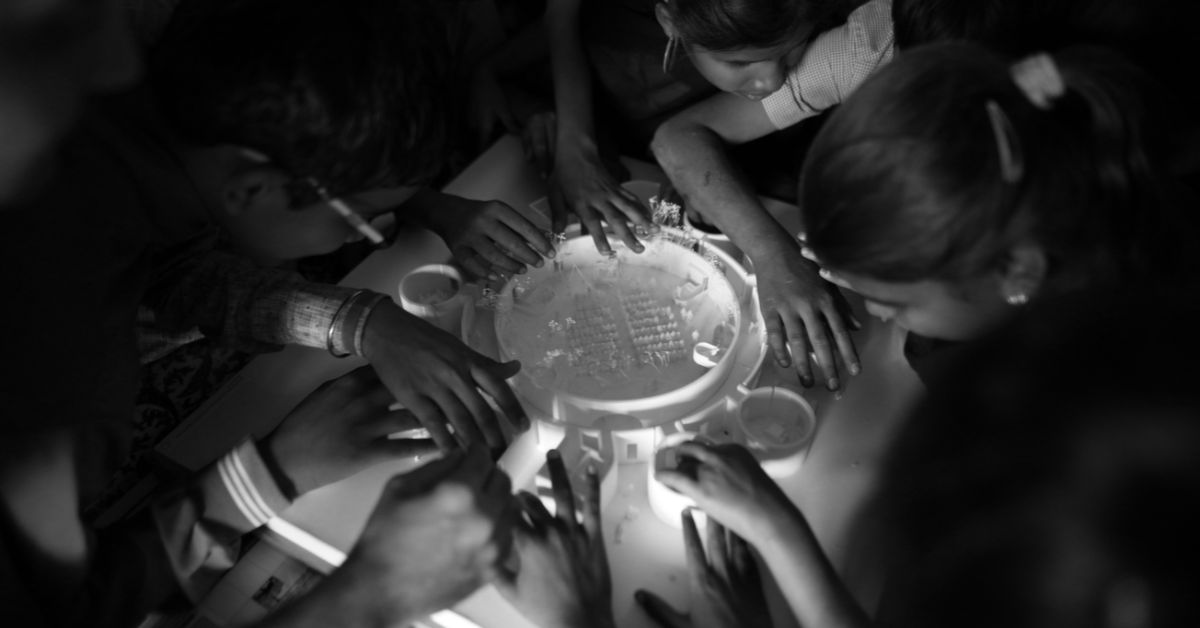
(769, 79)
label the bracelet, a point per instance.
(333, 325)
(360, 326)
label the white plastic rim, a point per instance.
(431, 279)
(696, 389)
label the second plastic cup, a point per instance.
(779, 426)
(434, 292)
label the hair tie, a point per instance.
(1039, 79)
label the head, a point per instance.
(744, 46)
(1034, 492)
(945, 195)
(268, 94)
(52, 54)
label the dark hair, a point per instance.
(1059, 463)
(343, 91)
(722, 25)
(904, 182)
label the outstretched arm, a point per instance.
(801, 311)
(580, 183)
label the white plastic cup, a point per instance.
(778, 425)
(435, 293)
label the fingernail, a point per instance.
(833, 384)
(493, 276)
(591, 469)
(521, 270)
(806, 381)
(639, 248)
(855, 369)
(538, 264)
(550, 254)
(640, 596)
(553, 455)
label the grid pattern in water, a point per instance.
(602, 339)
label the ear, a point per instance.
(663, 13)
(254, 188)
(1023, 273)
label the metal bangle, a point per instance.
(333, 325)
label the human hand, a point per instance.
(440, 379)
(538, 139)
(436, 535)
(340, 429)
(802, 311)
(489, 237)
(726, 589)
(581, 184)
(563, 578)
(490, 104)
(730, 486)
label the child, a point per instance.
(633, 55)
(991, 186)
(1026, 490)
(769, 85)
(358, 103)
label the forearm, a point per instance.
(812, 587)
(421, 209)
(572, 78)
(694, 157)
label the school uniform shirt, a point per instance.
(77, 262)
(835, 64)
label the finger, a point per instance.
(497, 257)
(591, 508)
(591, 221)
(702, 453)
(693, 549)
(797, 336)
(718, 551)
(741, 561)
(558, 210)
(465, 428)
(528, 233)
(473, 264)
(660, 611)
(542, 153)
(845, 344)
(564, 497)
(491, 378)
(392, 422)
(618, 222)
(678, 482)
(432, 419)
(515, 243)
(818, 335)
(418, 448)
(776, 337)
(535, 511)
(476, 468)
(632, 207)
(425, 477)
(482, 415)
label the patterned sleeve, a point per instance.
(834, 65)
(243, 305)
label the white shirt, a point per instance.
(835, 64)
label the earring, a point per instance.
(1017, 299)
(669, 53)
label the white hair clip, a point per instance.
(1039, 79)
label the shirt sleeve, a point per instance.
(835, 64)
(202, 524)
(243, 305)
